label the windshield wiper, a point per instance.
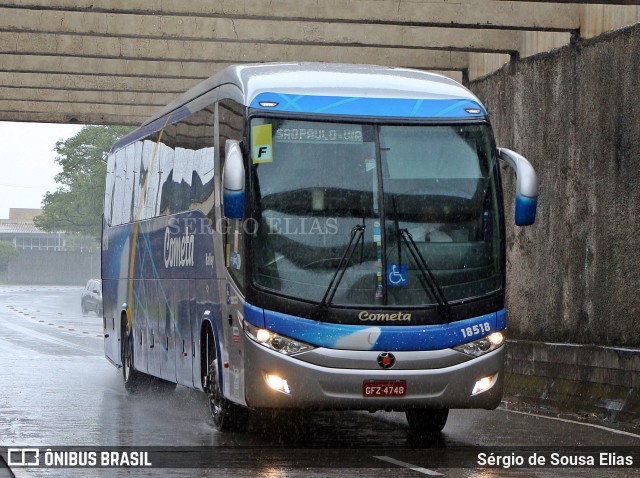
(443, 306)
(357, 233)
(433, 288)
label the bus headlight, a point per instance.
(481, 346)
(273, 341)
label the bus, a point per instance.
(313, 237)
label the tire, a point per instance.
(133, 380)
(425, 423)
(227, 416)
(83, 308)
(98, 310)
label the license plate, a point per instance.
(387, 388)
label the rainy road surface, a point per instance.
(57, 390)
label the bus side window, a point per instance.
(202, 162)
(231, 124)
(110, 183)
(118, 198)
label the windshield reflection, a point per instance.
(435, 182)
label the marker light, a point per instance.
(481, 346)
(269, 104)
(473, 111)
(277, 383)
(484, 384)
(273, 341)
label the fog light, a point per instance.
(277, 383)
(484, 384)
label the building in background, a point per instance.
(47, 257)
(23, 233)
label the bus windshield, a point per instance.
(424, 196)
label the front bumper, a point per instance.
(317, 387)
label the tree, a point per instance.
(7, 252)
(77, 204)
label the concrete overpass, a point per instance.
(116, 62)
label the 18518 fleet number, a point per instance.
(477, 329)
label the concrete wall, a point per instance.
(618, 367)
(49, 267)
(597, 381)
(593, 21)
(575, 114)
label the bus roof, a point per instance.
(335, 89)
(327, 80)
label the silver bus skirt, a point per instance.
(317, 387)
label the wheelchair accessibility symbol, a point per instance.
(397, 275)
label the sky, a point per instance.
(28, 162)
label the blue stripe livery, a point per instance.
(374, 337)
(356, 106)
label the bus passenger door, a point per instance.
(232, 314)
(233, 310)
(230, 122)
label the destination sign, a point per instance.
(329, 134)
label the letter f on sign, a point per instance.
(262, 153)
(261, 143)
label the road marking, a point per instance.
(593, 425)
(76, 333)
(47, 338)
(419, 469)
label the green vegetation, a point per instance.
(77, 204)
(7, 252)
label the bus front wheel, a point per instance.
(227, 416)
(426, 422)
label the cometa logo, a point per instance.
(178, 251)
(394, 317)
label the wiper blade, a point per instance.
(443, 305)
(357, 233)
(433, 288)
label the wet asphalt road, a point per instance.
(57, 389)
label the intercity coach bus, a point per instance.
(313, 237)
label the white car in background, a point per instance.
(91, 299)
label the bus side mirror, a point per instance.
(233, 181)
(526, 186)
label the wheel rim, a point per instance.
(215, 399)
(126, 360)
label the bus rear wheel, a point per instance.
(425, 422)
(227, 417)
(133, 379)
